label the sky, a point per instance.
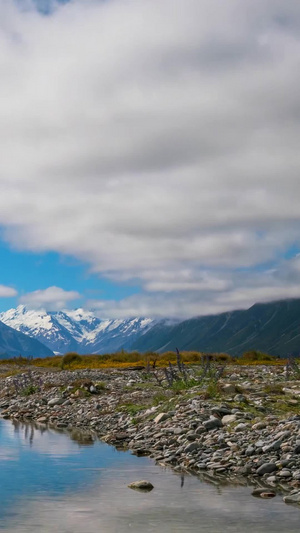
(150, 158)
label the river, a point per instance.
(51, 482)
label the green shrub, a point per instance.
(182, 384)
(30, 389)
(70, 358)
(256, 355)
(212, 390)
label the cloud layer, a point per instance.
(158, 142)
(7, 292)
(52, 298)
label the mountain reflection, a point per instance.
(45, 440)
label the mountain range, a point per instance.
(272, 327)
(76, 330)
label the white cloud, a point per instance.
(184, 299)
(7, 292)
(154, 139)
(52, 298)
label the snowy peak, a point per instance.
(76, 330)
(112, 335)
(82, 325)
(23, 318)
(40, 325)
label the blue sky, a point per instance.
(27, 272)
(149, 155)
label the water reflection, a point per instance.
(20, 436)
(56, 483)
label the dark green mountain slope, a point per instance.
(273, 328)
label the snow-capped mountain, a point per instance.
(14, 343)
(42, 326)
(112, 335)
(76, 330)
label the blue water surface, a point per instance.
(51, 482)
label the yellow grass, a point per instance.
(124, 359)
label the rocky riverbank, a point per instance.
(243, 427)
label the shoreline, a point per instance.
(246, 431)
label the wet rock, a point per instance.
(292, 498)
(263, 493)
(142, 485)
(266, 468)
(42, 420)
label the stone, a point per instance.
(272, 447)
(212, 423)
(61, 425)
(250, 450)
(259, 425)
(266, 468)
(241, 427)
(42, 420)
(259, 444)
(221, 411)
(161, 417)
(263, 493)
(228, 419)
(285, 473)
(292, 498)
(200, 430)
(56, 401)
(240, 398)
(229, 388)
(297, 449)
(141, 485)
(271, 479)
(191, 447)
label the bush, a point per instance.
(256, 355)
(70, 358)
(30, 389)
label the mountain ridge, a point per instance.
(270, 327)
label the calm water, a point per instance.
(49, 482)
